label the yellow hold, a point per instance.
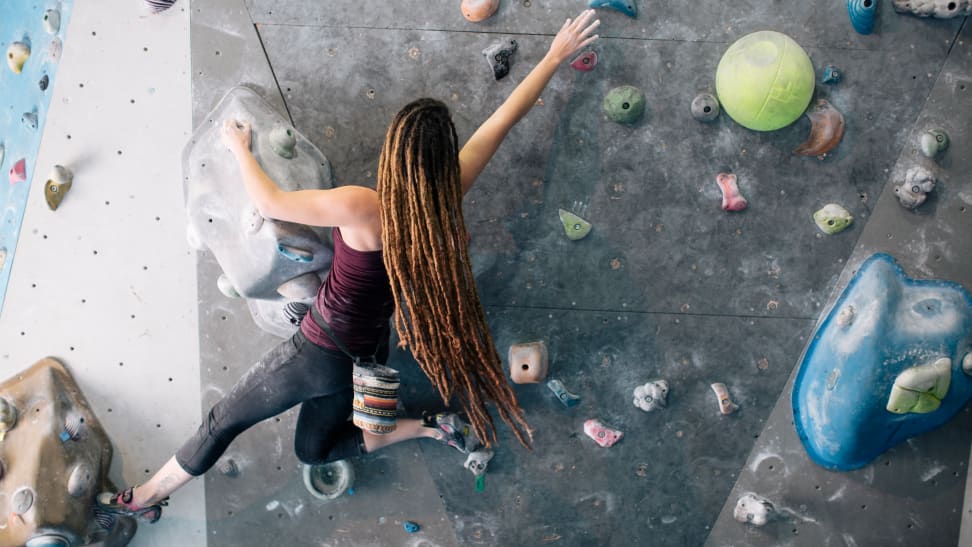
(17, 55)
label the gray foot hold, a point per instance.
(500, 57)
(330, 480)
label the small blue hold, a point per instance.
(831, 75)
(410, 527)
(627, 7)
(862, 14)
(350, 491)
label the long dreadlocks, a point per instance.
(425, 252)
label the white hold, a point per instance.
(913, 191)
(726, 406)
(273, 505)
(226, 287)
(81, 480)
(967, 364)
(477, 461)
(252, 220)
(652, 395)
(52, 21)
(846, 316)
(754, 509)
(940, 9)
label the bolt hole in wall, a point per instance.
(32, 47)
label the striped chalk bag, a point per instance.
(375, 386)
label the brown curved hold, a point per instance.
(826, 130)
(479, 10)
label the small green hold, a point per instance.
(625, 104)
(833, 218)
(933, 142)
(283, 140)
(481, 483)
(575, 226)
(921, 389)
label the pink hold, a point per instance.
(585, 62)
(602, 434)
(732, 200)
(18, 173)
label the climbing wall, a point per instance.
(666, 286)
(106, 283)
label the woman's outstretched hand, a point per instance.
(573, 36)
(236, 135)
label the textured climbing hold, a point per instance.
(624, 104)
(862, 14)
(726, 406)
(8, 416)
(933, 142)
(283, 140)
(478, 10)
(500, 57)
(831, 75)
(81, 480)
(832, 218)
(967, 364)
(328, 481)
(941, 9)
(17, 55)
(18, 173)
(29, 119)
(52, 21)
(226, 287)
(575, 226)
(765, 81)
(627, 7)
(901, 324)
(652, 395)
(54, 49)
(295, 312)
(477, 461)
(295, 253)
(22, 501)
(705, 107)
(914, 189)
(43, 82)
(567, 398)
(585, 62)
(411, 527)
(920, 389)
(845, 317)
(252, 220)
(602, 434)
(753, 509)
(732, 198)
(158, 6)
(826, 130)
(528, 362)
(57, 186)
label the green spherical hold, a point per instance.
(624, 104)
(765, 81)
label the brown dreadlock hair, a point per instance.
(426, 255)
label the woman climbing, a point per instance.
(402, 245)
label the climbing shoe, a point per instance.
(455, 431)
(121, 504)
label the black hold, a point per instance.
(43, 83)
(500, 56)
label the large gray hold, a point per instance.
(941, 9)
(268, 262)
(913, 190)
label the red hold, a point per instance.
(18, 173)
(585, 62)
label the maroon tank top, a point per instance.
(355, 300)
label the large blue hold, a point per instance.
(862, 14)
(627, 7)
(883, 324)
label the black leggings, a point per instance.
(296, 371)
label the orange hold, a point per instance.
(479, 10)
